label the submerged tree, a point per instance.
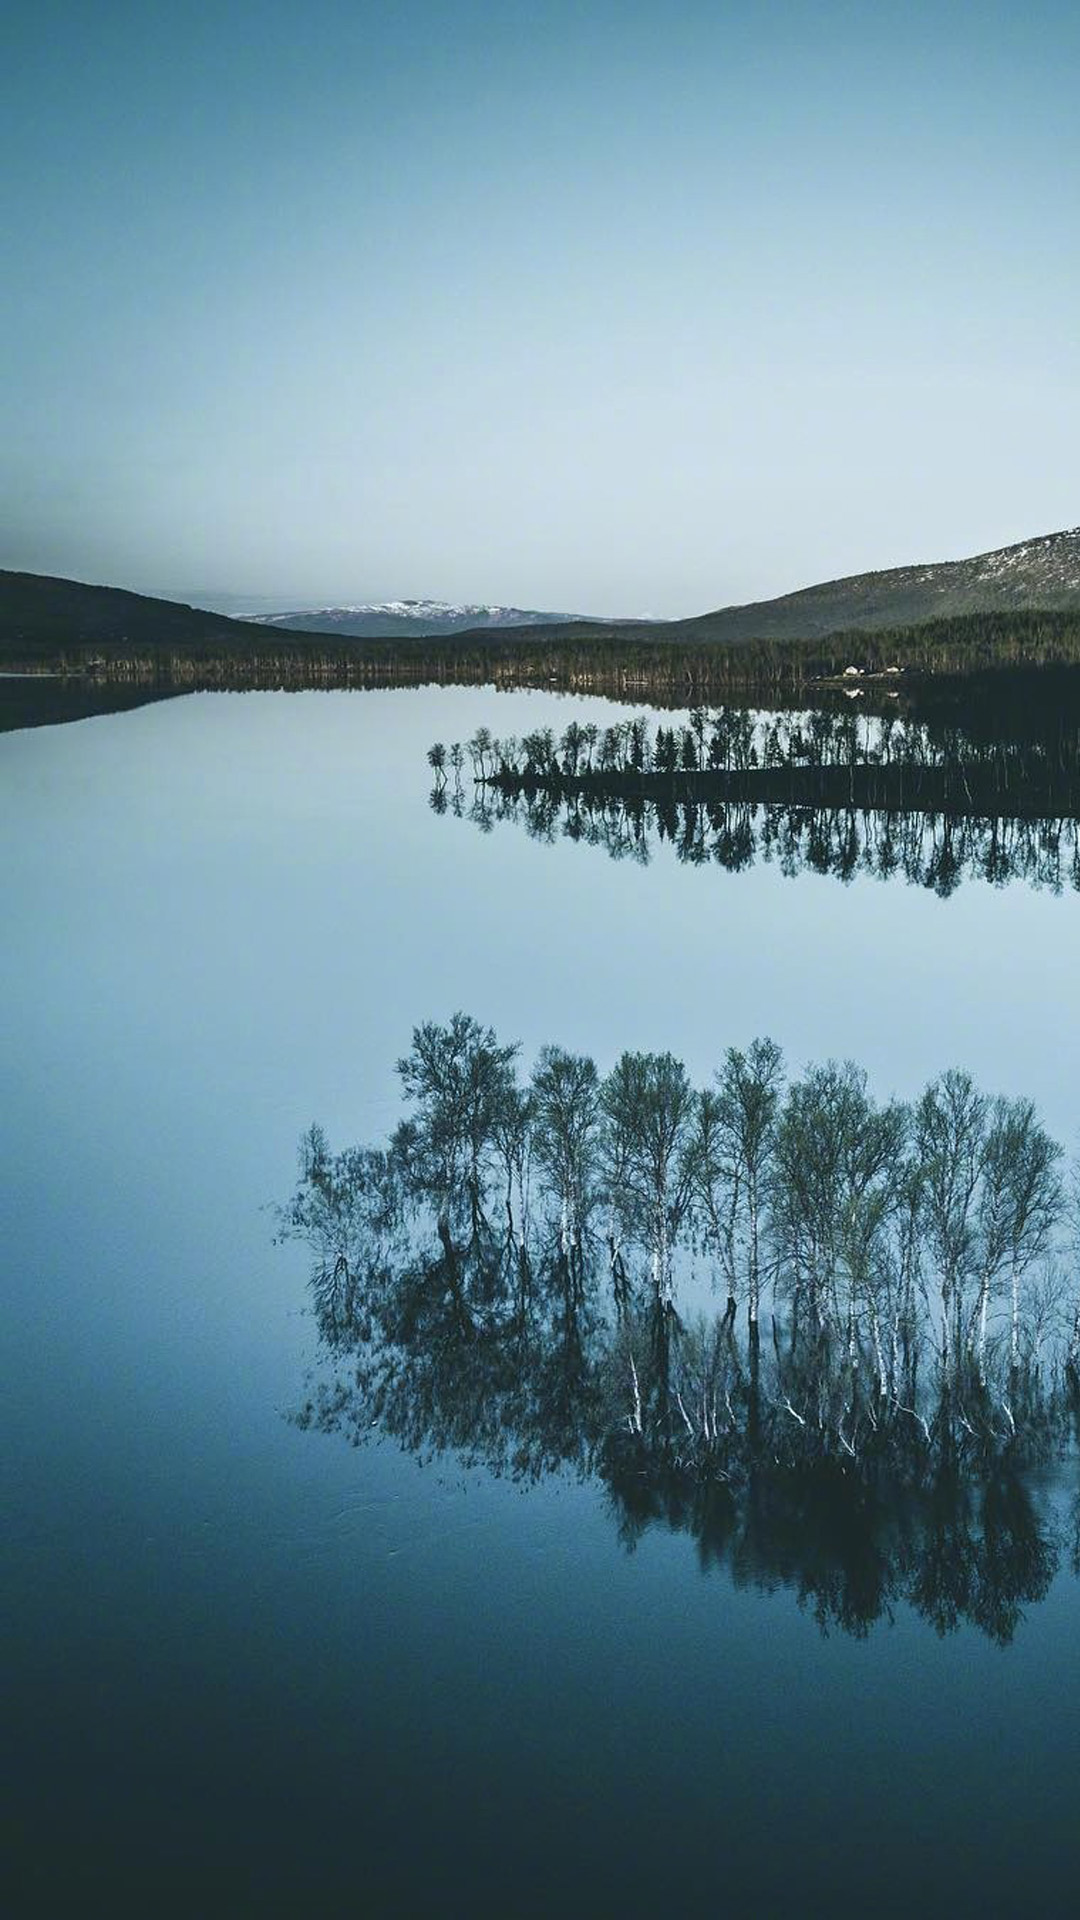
(734, 1153)
(461, 1084)
(648, 1105)
(777, 1463)
(915, 1268)
(566, 1119)
(950, 1134)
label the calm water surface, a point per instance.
(253, 1668)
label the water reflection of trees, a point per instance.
(898, 1346)
(878, 757)
(931, 850)
(838, 792)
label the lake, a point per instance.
(255, 1668)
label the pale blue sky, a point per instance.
(608, 307)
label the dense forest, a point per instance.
(523, 1272)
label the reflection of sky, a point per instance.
(266, 866)
(223, 916)
(612, 307)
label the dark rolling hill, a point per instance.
(1042, 575)
(41, 616)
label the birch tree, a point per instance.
(950, 1139)
(459, 1080)
(1034, 1200)
(566, 1121)
(648, 1104)
(749, 1087)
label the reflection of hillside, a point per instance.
(43, 700)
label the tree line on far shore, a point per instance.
(668, 664)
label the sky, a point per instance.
(611, 308)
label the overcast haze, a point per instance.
(606, 307)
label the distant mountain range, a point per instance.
(409, 619)
(40, 615)
(1042, 574)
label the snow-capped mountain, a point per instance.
(402, 619)
(41, 617)
(1049, 564)
(1039, 573)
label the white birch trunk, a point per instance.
(879, 1357)
(635, 1417)
(984, 1302)
(753, 1304)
